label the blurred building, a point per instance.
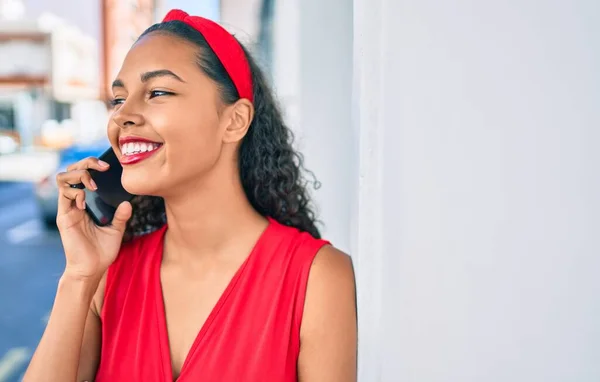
(53, 66)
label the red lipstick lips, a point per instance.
(136, 149)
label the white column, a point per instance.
(286, 60)
(211, 9)
(325, 131)
(242, 18)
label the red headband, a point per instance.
(226, 47)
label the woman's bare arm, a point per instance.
(70, 346)
(328, 336)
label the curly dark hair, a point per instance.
(271, 170)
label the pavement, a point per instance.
(31, 261)
(27, 166)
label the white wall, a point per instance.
(482, 126)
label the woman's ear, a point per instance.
(238, 118)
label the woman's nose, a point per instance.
(125, 117)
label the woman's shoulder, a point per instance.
(303, 249)
(329, 319)
(324, 258)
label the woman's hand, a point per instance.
(89, 249)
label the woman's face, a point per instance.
(166, 126)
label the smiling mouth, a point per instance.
(135, 148)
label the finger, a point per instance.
(122, 215)
(70, 197)
(75, 178)
(89, 163)
(80, 200)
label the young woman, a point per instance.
(217, 273)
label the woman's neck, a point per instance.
(210, 219)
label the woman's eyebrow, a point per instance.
(145, 77)
(118, 84)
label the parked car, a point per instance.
(46, 190)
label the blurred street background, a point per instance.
(30, 264)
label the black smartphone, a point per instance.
(102, 203)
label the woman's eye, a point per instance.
(158, 93)
(116, 101)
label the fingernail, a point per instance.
(93, 184)
(83, 205)
(103, 163)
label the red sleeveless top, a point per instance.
(252, 333)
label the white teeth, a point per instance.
(138, 147)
